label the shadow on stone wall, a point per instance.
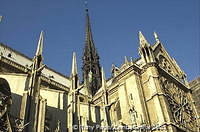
(55, 114)
(16, 105)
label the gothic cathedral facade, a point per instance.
(150, 93)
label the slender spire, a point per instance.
(91, 59)
(103, 78)
(74, 65)
(131, 58)
(89, 42)
(40, 45)
(143, 41)
(156, 37)
(125, 60)
(35, 81)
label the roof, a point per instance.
(24, 60)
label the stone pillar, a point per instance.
(70, 113)
(23, 106)
(155, 98)
(41, 117)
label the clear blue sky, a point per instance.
(115, 26)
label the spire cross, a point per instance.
(86, 5)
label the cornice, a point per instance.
(145, 67)
(134, 68)
(28, 71)
(113, 90)
(97, 98)
(13, 64)
(54, 83)
(16, 74)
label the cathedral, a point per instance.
(147, 94)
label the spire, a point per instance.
(131, 59)
(91, 59)
(156, 37)
(89, 43)
(34, 91)
(125, 60)
(142, 39)
(74, 65)
(40, 45)
(103, 78)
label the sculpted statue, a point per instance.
(18, 125)
(5, 103)
(132, 111)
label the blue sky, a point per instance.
(115, 26)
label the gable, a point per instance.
(166, 62)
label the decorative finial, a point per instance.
(113, 65)
(156, 37)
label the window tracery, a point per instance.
(164, 63)
(179, 104)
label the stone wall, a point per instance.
(195, 87)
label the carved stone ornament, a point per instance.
(5, 102)
(58, 126)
